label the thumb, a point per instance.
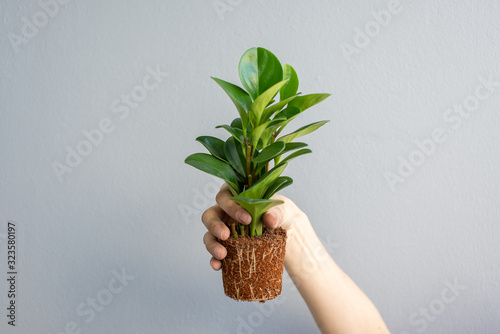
(271, 219)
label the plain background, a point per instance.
(132, 204)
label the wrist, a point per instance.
(303, 245)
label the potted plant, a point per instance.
(251, 161)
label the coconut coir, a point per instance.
(253, 267)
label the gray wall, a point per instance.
(403, 185)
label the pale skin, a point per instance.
(337, 304)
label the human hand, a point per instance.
(218, 217)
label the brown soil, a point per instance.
(253, 267)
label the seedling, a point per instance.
(251, 161)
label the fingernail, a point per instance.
(244, 217)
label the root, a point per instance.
(240, 258)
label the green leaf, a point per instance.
(240, 98)
(293, 146)
(280, 183)
(215, 167)
(289, 147)
(257, 133)
(302, 131)
(260, 187)
(234, 155)
(288, 113)
(269, 111)
(261, 102)
(256, 208)
(214, 145)
(269, 152)
(259, 69)
(295, 155)
(293, 83)
(270, 102)
(236, 123)
(235, 132)
(304, 102)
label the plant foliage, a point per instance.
(251, 161)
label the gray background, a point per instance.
(132, 204)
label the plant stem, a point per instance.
(248, 157)
(233, 230)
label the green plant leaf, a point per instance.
(240, 98)
(302, 131)
(289, 113)
(234, 155)
(236, 123)
(214, 145)
(215, 167)
(304, 102)
(257, 133)
(261, 102)
(270, 102)
(259, 69)
(295, 155)
(293, 83)
(235, 132)
(269, 152)
(256, 208)
(278, 184)
(289, 147)
(269, 111)
(260, 187)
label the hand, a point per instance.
(218, 216)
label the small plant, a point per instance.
(252, 160)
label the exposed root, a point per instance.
(240, 258)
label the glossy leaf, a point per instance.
(215, 167)
(266, 137)
(270, 152)
(295, 155)
(270, 102)
(289, 147)
(288, 113)
(256, 208)
(257, 133)
(269, 111)
(261, 102)
(293, 146)
(302, 131)
(236, 123)
(235, 132)
(214, 145)
(240, 98)
(304, 102)
(260, 187)
(259, 69)
(234, 156)
(280, 183)
(292, 86)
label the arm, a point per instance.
(336, 303)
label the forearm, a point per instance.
(336, 303)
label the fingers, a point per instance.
(270, 218)
(283, 215)
(230, 207)
(216, 229)
(212, 220)
(216, 264)
(213, 247)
